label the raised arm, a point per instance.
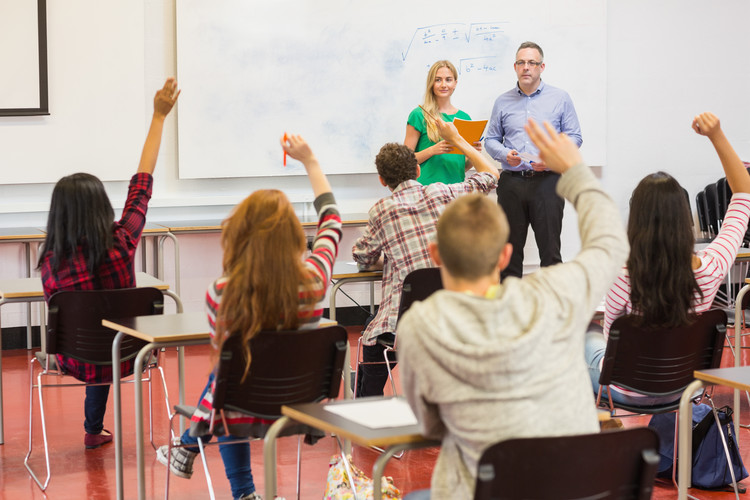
(450, 134)
(558, 151)
(296, 147)
(708, 124)
(163, 103)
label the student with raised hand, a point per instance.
(85, 249)
(267, 284)
(422, 135)
(666, 279)
(398, 231)
(484, 361)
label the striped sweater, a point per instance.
(716, 259)
(320, 266)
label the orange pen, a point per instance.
(285, 139)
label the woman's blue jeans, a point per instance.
(236, 457)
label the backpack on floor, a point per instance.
(710, 469)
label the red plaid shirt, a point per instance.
(400, 228)
(115, 272)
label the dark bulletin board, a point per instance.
(23, 57)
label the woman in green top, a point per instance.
(422, 137)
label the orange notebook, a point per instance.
(471, 130)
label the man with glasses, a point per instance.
(527, 189)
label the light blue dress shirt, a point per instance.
(514, 108)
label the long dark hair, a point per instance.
(80, 218)
(660, 230)
(263, 244)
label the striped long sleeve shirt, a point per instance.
(320, 267)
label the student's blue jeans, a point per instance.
(236, 457)
(595, 348)
(94, 407)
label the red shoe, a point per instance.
(96, 440)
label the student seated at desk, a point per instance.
(266, 285)
(664, 280)
(482, 362)
(397, 234)
(85, 250)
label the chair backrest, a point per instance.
(702, 208)
(570, 467)
(287, 367)
(75, 321)
(418, 285)
(725, 194)
(661, 361)
(712, 202)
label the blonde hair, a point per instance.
(471, 234)
(263, 244)
(430, 103)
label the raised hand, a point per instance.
(706, 124)
(296, 147)
(556, 150)
(166, 97)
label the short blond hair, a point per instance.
(471, 234)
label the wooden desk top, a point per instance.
(143, 280)
(164, 327)
(21, 288)
(315, 415)
(153, 229)
(27, 288)
(345, 269)
(735, 377)
(21, 234)
(192, 226)
(214, 225)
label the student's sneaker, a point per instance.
(181, 462)
(252, 496)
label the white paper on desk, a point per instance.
(530, 157)
(392, 412)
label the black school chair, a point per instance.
(288, 367)
(613, 465)
(418, 285)
(74, 330)
(660, 361)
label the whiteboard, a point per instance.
(345, 74)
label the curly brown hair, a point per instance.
(396, 163)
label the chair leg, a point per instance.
(42, 486)
(269, 455)
(388, 367)
(356, 367)
(726, 449)
(348, 469)
(205, 469)
(299, 464)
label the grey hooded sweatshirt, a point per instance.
(479, 370)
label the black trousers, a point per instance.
(372, 377)
(531, 200)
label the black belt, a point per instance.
(528, 173)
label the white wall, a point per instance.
(666, 61)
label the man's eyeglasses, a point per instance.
(532, 64)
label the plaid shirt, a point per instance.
(400, 228)
(320, 267)
(115, 272)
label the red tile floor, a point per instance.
(78, 473)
